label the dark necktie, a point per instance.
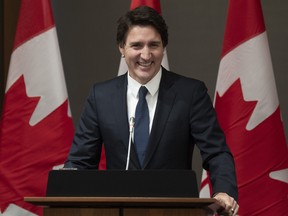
(141, 133)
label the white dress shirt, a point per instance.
(151, 97)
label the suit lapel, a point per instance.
(119, 101)
(165, 103)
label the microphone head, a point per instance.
(131, 124)
(131, 121)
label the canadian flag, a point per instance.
(247, 107)
(36, 125)
(123, 68)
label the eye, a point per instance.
(136, 45)
(154, 45)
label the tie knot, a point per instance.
(143, 91)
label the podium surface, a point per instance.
(124, 206)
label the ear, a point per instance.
(121, 49)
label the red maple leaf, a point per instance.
(27, 152)
(257, 153)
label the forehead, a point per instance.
(146, 33)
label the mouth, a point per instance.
(145, 64)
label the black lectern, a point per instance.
(123, 193)
(119, 183)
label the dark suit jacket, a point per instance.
(184, 115)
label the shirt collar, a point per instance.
(152, 85)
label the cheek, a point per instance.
(159, 53)
(132, 55)
(160, 56)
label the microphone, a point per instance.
(131, 130)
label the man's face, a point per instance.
(143, 51)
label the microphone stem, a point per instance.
(128, 153)
(131, 129)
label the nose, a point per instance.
(146, 53)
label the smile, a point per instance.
(145, 64)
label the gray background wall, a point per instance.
(87, 29)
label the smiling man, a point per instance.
(172, 113)
(143, 51)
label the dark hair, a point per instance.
(143, 16)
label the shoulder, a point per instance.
(181, 82)
(111, 83)
(108, 88)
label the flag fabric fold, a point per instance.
(36, 124)
(248, 110)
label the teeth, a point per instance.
(145, 64)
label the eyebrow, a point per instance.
(138, 43)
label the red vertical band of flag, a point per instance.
(155, 4)
(33, 23)
(36, 124)
(247, 107)
(244, 21)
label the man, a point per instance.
(180, 113)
